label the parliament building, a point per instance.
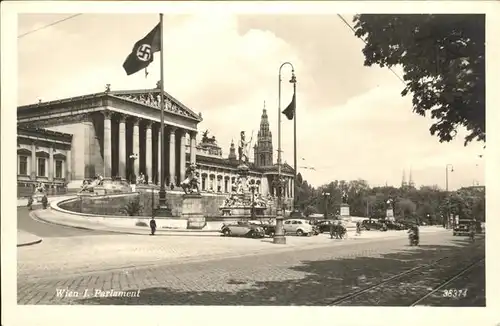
(116, 134)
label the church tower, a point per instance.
(263, 149)
(232, 152)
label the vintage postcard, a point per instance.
(277, 155)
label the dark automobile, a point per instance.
(323, 226)
(463, 226)
(394, 226)
(269, 228)
(243, 229)
(371, 225)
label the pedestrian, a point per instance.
(152, 225)
(45, 201)
(30, 203)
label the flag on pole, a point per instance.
(289, 112)
(142, 52)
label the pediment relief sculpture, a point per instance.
(154, 100)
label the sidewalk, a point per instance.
(81, 222)
(26, 239)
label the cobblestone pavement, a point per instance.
(300, 277)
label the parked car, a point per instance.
(269, 228)
(392, 225)
(299, 227)
(463, 226)
(324, 226)
(371, 225)
(243, 229)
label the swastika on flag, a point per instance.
(144, 52)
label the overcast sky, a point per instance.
(352, 121)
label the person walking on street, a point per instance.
(152, 225)
(30, 203)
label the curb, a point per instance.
(29, 243)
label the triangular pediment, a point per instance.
(152, 99)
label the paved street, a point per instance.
(314, 276)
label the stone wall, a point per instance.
(115, 204)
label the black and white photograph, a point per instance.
(179, 157)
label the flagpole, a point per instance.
(279, 235)
(295, 212)
(162, 195)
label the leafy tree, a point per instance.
(443, 58)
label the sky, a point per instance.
(352, 122)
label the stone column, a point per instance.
(192, 143)
(172, 156)
(159, 157)
(122, 148)
(50, 169)
(149, 151)
(69, 169)
(33, 161)
(107, 144)
(182, 160)
(135, 146)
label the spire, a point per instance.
(232, 151)
(403, 180)
(410, 182)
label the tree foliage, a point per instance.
(428, 204)
(443, 58)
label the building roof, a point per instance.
(122, 95)
(225, 162)
(42, 133)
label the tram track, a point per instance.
(413, 286)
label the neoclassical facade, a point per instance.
(117, 134)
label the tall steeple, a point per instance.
(410, 182)
(403, 180)
(263, 149)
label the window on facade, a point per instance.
(59, 169)
(203, 183)
(41, 167)
(225, 185)
(23, 165)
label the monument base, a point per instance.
(296, 214)
(193, 212)
(163, 211)
(389, 214)
(344, 210)
(279, 239)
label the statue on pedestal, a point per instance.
(345, 197)
(243, 148)
(191, 184)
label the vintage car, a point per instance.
(324, 225)
(394, 225)
(243, 229)
(269, 228)
(462, 228)
(371, 225)
(299, 227)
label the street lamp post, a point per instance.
(448, 166)
(326, 194)
(279, 235)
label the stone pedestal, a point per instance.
(344, 210)
(389, 214)
(193, 211)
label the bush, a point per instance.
(141, 223)
(133, 207)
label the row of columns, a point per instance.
(213, 181)
(148, 150)
(287, 189)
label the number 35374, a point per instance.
(455, 293)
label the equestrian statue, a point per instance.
(191, 184)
